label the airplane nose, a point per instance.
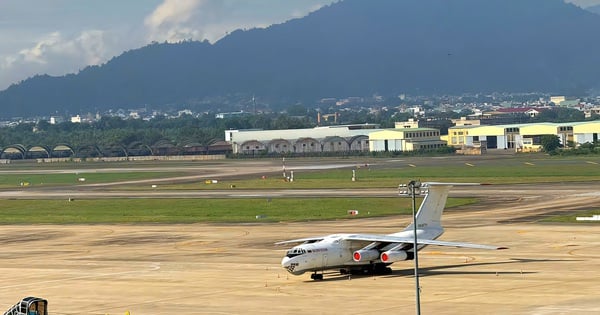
(290, 265)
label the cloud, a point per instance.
(57, 54)
(301, 12)
(169, 20)
(177, 20)
(585, 3)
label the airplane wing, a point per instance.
(409, 240)
(302, 240)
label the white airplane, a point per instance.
(373, 253)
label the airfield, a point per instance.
(234, 268)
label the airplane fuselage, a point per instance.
(333, 252)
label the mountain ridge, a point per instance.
(349, 48)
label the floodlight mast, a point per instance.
(414, 188)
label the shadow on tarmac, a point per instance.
(442, 270)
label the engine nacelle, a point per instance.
(393, 255)
(365, 255)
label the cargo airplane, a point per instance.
(373, 253)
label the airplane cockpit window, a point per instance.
(295, 252)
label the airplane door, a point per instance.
(324, 260)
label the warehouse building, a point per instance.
(405, 139)
(522, 137)
(346, 138)
(342, 138)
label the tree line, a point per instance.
(202, 130)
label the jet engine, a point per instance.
(365, 255)
(393, 255)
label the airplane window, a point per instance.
(295, 252)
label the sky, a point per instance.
(57, 37)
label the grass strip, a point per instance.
(88, 211)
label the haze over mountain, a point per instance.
(594, 9)
(350, 48)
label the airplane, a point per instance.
(373, 253)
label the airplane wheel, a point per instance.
(343, 272)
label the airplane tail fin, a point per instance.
(432, 207)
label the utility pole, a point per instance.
(414, 188)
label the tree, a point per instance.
(550, 143)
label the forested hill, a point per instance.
(350, 48)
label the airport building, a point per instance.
(343, 138)
(346, 138)
(405, 139)
(522, 137)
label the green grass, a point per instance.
(513, 173)
(201, 210)
(18, 180)
(572, 218)
(381, 174)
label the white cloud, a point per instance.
(298, 13)
(585, 3)
(177, 20)
(168, 21)
(36, 53)
(56, 54)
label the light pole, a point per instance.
(414, 188)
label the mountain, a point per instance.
(350, 48)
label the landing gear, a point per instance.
(382, 269)
(316, 276)
(344, 272)
(373, 269)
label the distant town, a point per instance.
(333, 126)
(494, 108)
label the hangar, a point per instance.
(405, 139)
(342, 138)
(523, 137)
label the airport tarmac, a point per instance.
(234, 268)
